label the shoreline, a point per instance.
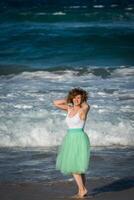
(98, 189)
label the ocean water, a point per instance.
(47, 49)
(45, 35)
(37, 164)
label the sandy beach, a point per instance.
(99, 189)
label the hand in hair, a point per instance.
(61, 103)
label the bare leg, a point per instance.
(84, 179)
(81, 185)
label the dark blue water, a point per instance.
(49, 35)
(38, 164)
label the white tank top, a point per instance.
(75, 121)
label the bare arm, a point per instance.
(85, 108)
(61, 103)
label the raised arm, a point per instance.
(85, 106)
(61, 103)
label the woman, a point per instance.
(74, 153)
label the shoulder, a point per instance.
(84, 111)
(85, 106)
(69, 108)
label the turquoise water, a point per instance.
(45, 35)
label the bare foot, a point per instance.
(83, 193)
(80, 194)
(76, 196)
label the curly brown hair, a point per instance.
(77, 91)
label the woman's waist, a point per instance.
(75, 130)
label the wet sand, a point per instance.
(98, 189)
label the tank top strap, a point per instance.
(69, 111)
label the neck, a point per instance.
(76, 107)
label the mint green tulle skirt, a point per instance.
(74, 153)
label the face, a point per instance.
(77, 100)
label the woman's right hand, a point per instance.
(61, 103)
